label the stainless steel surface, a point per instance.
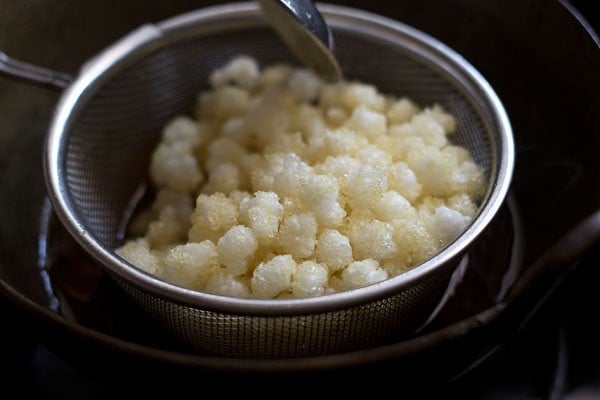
(556, 185)
(305, 31)
(109, 119)
(33, 73)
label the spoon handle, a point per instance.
(305, 32)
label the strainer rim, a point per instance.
(149, 37)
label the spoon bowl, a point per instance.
(304, 30)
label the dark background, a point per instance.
(555, 355)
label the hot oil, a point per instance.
(82, 292)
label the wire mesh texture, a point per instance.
(109, 120)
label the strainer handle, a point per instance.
(33, 73)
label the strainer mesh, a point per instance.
(107, 154)
(108, 149)
(243, 336)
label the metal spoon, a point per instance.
(304, 30)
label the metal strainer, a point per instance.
(109, 119)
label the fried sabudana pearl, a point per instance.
(283, 186)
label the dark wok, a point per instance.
(540, 58)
